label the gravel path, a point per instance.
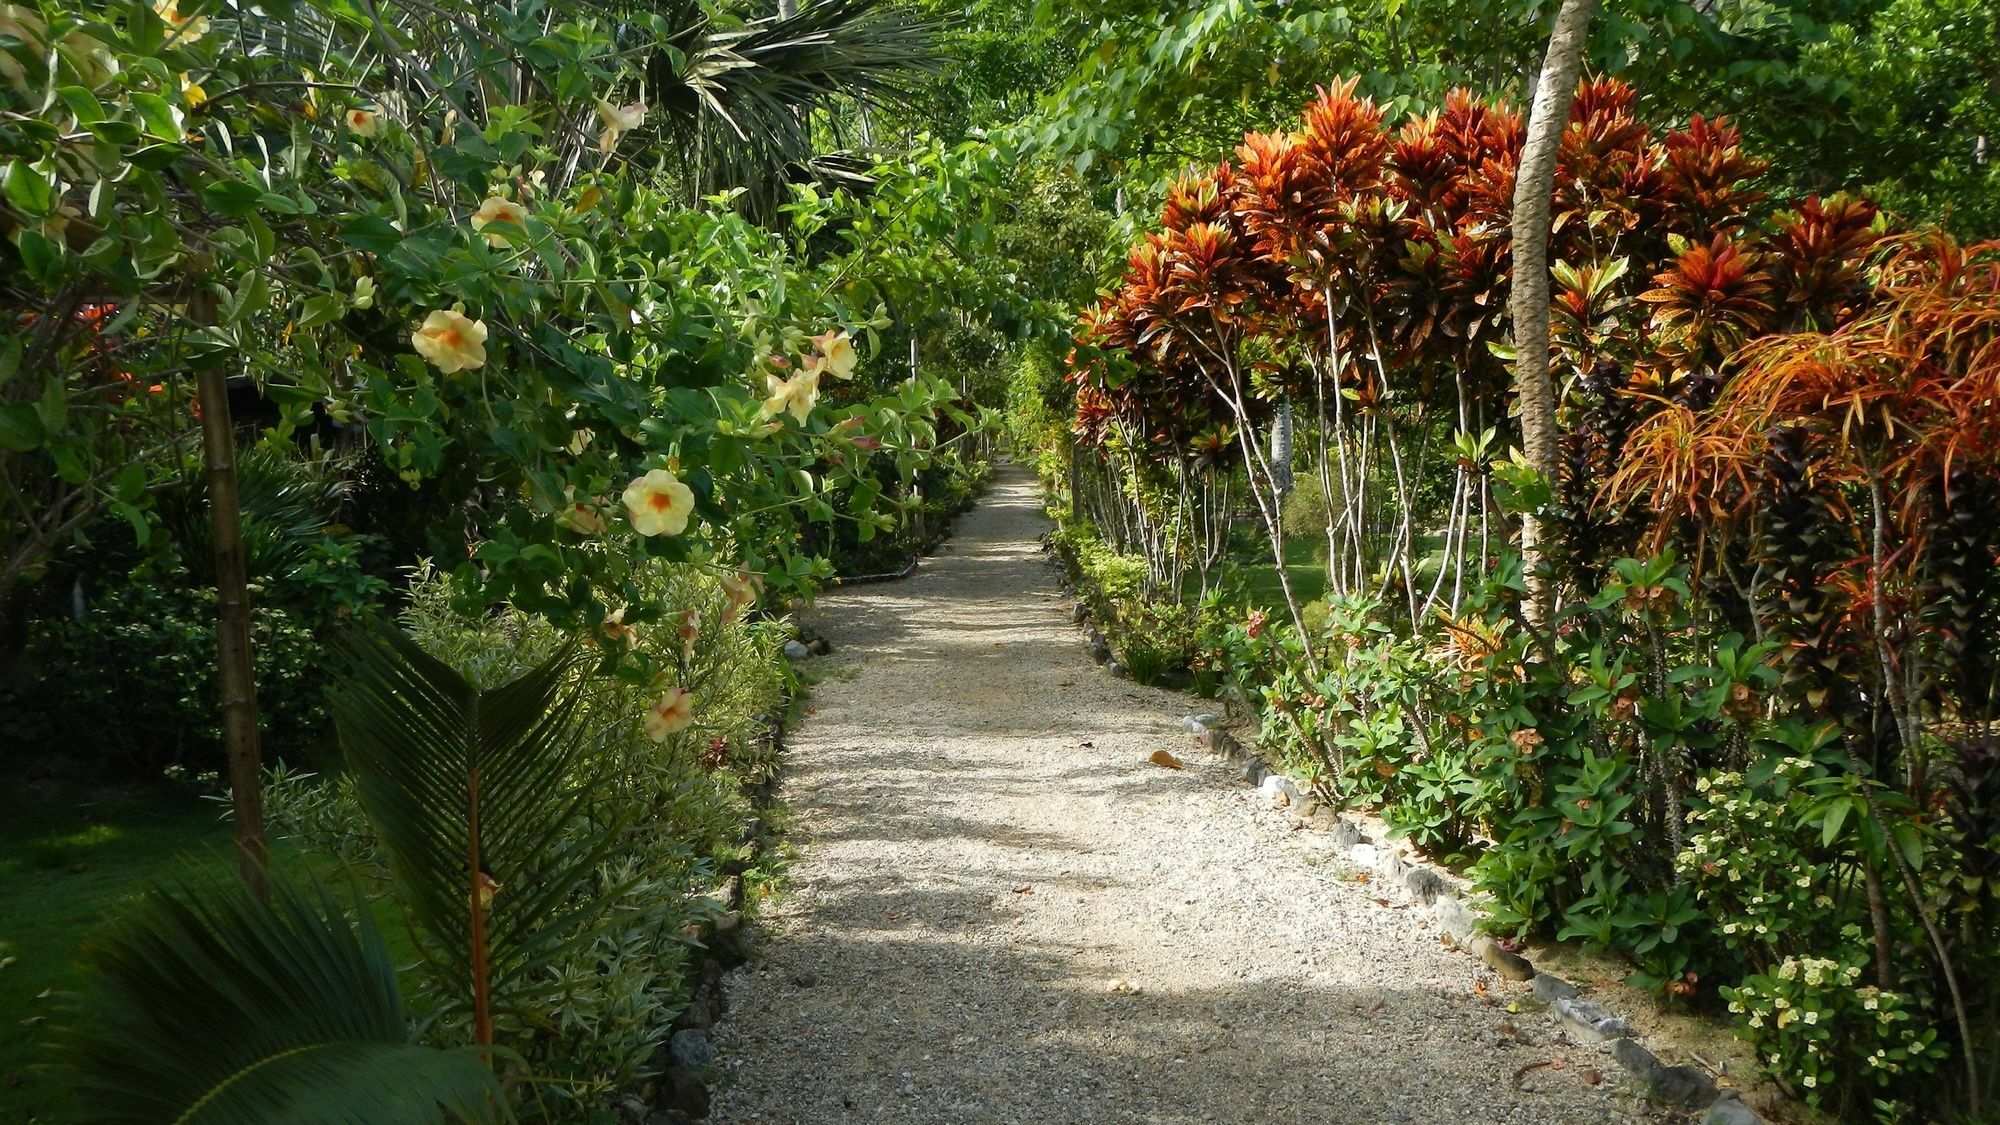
(1001, 913)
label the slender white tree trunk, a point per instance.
(1534, 387)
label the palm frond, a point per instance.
(490, 842)
(287, 504)
(214, 1008)
(738, 102)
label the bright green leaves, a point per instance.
(29, 189)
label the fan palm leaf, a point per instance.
(216, 1008)
(738, 102)
(492, 845)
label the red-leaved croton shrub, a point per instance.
(1798, 400)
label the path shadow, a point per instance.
(958, 1031)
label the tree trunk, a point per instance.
(1534, 387)
(1281, 449)
(234, 669)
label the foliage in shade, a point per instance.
(216, 1009)
(739, 100)
(472, 795)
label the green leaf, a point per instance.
(214, 1008)
(1836, 815)
(31, 192)
(41, 257)
(421, 740)
(131, 482)
(231, 197)
(84, 104)
(321, 309)
(161, 118)
(157, 156)
(1909, 843)
(20, 427)
(119, 133)
(142, 528)
(53, 407)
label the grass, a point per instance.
(1303, 565)
(1260, 579)
(69, 861)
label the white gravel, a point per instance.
(1001, 913)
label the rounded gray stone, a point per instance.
(691, 1048)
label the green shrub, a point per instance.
(128, 689)
(1835, 1041)
(1629, 782)
(683, 797)
(1156, 639)
(1305, 508)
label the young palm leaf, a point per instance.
(491, 842)
(215, 1008)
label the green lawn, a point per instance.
(1303, 555)
(69, 862)
(1302, 565)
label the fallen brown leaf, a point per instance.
(1024, 889)
(1165, 758)
(1592, 1075)
(1088, 745)
(1523, 1072)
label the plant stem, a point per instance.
(235, 669)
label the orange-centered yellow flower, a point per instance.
(496, 211)
(672, 713)
(363, 122)
(581, 516)
(616, 631)
(659, 504)
(741, 590)
(618, 121)
(796, 394)
(190, 28)
(451, 341)
(836, 353)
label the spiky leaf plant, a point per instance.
(491, 840)
(216, 1008)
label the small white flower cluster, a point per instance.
(1810, 1018)
(1749, 873)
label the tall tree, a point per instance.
(1534, 185)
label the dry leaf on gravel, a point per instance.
(1165, 758)
(1556, 1064)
